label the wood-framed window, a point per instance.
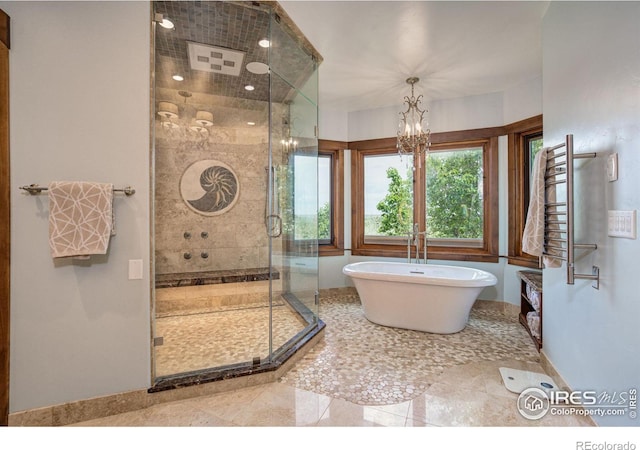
(331, 197)
(412, 182)
(525, 140)
(5, 219)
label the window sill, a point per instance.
(328, 250)
(523, 261)
(433, 253)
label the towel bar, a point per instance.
(34, 189)
(565, 167)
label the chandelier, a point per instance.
(413, 138)
(289, 144)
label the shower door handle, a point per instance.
(272, 221)
(274, 225)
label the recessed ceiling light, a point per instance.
(166, 23)
(248, 87)
(264, 43)
(251, 123)
(178, 77)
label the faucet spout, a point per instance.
(413, 240)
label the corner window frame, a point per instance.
(519, 134)
(335, 151)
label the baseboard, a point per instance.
(506, 308)
(95, 408)
(551, 370)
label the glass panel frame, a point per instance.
(443, 212)
(326, 206)
(388, 188)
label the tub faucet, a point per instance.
(416, 241)
(413, 239)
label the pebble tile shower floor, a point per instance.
(358, 361)
(204, 340)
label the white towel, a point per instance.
(80, 218)
(533, 320)
(533, 236)
(534, 298)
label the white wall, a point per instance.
(79, 75)
(591, 68)
(465, 113)
(332, 123)
(520, 102)
(523, 100)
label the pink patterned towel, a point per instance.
(80, 218)
(533, 236)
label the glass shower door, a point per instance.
(294, 153)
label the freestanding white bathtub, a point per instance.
(423, 297)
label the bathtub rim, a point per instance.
(487, 279)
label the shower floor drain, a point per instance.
(518, 380)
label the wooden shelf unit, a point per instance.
(533, 279)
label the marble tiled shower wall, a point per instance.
(236, 239)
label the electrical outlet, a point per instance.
(622, 224)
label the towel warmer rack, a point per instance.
(34, 189)
(559, 164)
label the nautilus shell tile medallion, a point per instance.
(209, 187)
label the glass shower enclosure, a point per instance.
(235, 189)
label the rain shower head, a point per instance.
(208, 58)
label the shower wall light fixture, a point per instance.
(189, 126)
(204, 118)
(413, 136)
(168, 110)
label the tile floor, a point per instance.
(401, 378)
(466, 395)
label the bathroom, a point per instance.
(92, 323)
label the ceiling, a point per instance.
(456, 48)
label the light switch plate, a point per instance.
(612, 167)
(135, 269)
(622, 224)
